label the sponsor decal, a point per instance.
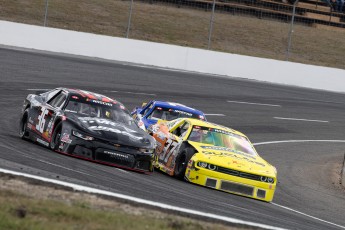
(225, 154)
(45, 134)
(102, 103)
(190, 163)
(178, 104)
(188, 173)
(65, 138)
(183, 112)
(128, 132)
(50, 127)
(113, 130)
(226, 132)
(42, 142)
(29, 126)
(92, 120)
(219, 148)
(112, 154)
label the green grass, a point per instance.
(186, 27)
(19, 211)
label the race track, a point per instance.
(274, 117)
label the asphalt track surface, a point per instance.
(308, 172)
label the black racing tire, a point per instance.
(56, 137)
(23, 133)
(182, 161)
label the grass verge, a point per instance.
(31, 204)
(186, 26)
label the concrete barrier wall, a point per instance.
(170, 56)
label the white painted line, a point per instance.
(122, 170)
(214, 114)
(251, 103)
(37, 89)
(298, 119)
(313, 217)
(43, 161)
(159, 68)
(297, 141)
(142, 201)
(56, 165)
(113, 91)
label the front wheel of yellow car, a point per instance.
(182, 161)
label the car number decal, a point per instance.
(41, 120)
(168, 150)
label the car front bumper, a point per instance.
(107, 153)
(232, 184)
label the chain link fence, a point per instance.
(306, 31)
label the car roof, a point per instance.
(178, 106)
(90, 95)
(212, 125)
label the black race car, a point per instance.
(88, 126)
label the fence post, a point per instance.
(211, 25)
(129, 19)
(342, 173)
(291, 30)
(45, 14)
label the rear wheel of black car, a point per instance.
(56, 137)
(182, 161)
(23, 133)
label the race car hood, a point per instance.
(228, 158)
(114, 132)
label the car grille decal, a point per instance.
(115, 157)
(237, 188)
(211, 183)
(238, 173)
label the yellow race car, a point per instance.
(214, 156)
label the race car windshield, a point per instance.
(114, 112)
(172, 114)
(221, 138)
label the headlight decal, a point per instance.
(202, 164)
(267, 179)
(211, 167)
(207, 165)
(82, 136)
(143, 150)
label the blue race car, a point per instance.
(150, 113)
